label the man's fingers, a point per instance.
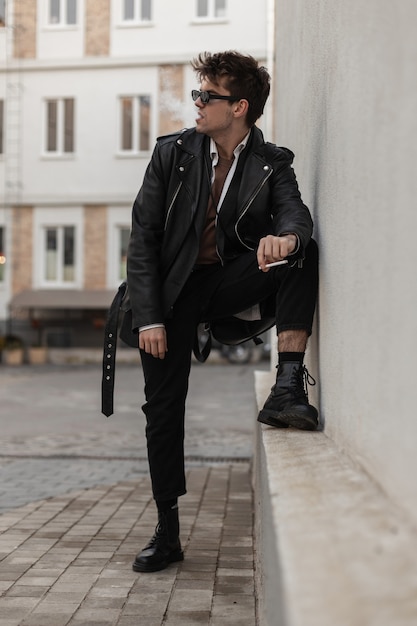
(272, 248)
(269, 250)
(153, 341)
(159, 349)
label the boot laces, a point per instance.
(158, 534)
(300, 379)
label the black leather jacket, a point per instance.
(170, 208)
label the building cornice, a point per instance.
(97, 63)
(59, 201)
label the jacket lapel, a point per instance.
(189, 201)
(249, 176)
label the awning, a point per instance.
(63, 299)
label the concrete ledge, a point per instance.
(331, 549)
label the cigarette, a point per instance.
(276, 263)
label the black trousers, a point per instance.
(212, 292)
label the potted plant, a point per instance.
(37, 354)
(13, 350)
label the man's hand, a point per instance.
(272, 248)
(154, 341)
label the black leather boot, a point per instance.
(164, 547)
(287, 404)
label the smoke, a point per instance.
(171, 104)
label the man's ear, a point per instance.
(240, 108)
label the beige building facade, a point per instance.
(86, 87)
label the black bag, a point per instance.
(228, 330)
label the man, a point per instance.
(216, 207)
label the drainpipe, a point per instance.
(270, 125)
(270, 64)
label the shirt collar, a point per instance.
(236, 152)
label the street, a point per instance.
(55, 439)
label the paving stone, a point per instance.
(65, 557)
(89, 586)
(64, 597)
(194, 618)
(145, 610)
(102, 603)
(130, 620)
(232, 620)
(184, 601)
(45, 619)
(5, 585)
(95, 614)
(193, 584)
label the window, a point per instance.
(2, 13)
(59, 255)
(211, 9)
(60, 126)
(123, 240)
(119, 222)
(137, 10)
(1, 126)
(58, 262)
(135, 123)
(2, 253)
(62, 12)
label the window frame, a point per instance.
(2, 126)
(63, 14)
(47, 217)
(136, 125)
(118, 218)
(211, 12)
(3, 254)
(61, 136)
(119, 228)
(138, 11)
(59, 281)
(3, 17)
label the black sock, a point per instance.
(166, 505)
(291, 356)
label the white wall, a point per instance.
(175, 31)
(96, 171)
(346, 94)
(59, 41)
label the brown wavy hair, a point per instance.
(242, 76)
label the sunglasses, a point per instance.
(206, 96)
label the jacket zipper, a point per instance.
(217, 249)
(251, 199)
(171, 205)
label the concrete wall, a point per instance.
(346, 95)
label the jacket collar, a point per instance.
(191, 141)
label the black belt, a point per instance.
(203, 266)
(201, 349)
(110, 344)
(109, 353)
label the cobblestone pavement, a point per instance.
(66, 561)
(77, 505)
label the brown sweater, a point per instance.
(208, 253)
